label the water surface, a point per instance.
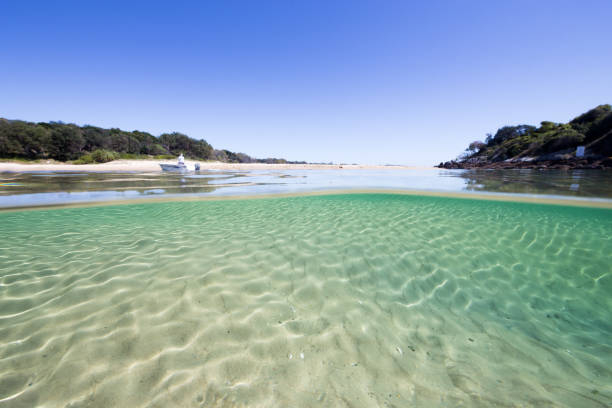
(53, 188)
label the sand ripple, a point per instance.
(355, 300)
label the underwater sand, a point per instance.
(356, 300)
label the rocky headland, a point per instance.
(583, 143)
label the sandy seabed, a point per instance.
(371, 300)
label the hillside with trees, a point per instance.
(551, 145)
(88, 144)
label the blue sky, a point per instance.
(344, 81)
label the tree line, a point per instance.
(66, 141)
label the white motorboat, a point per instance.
(180, 166)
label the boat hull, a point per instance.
(179, 168)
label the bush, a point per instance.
(564, 140)
(103, 156)
(97, 156)
(85, 159)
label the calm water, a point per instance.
(28, 189)
(342, 300)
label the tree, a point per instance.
(66, 142)
(476, 146)
(62, 141)
(509, 132)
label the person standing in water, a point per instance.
(181, 160)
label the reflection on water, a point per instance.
(584, 183)
(47, 188)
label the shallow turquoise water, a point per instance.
(339, 300)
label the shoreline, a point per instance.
(153, 166)
(588, 163)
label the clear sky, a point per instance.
(344, 81)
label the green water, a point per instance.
(355, 300)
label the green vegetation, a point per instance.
(20, 140)
(104, 156)
(97, 156)
(550, 141)
(89, 144)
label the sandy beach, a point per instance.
(153, 165)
